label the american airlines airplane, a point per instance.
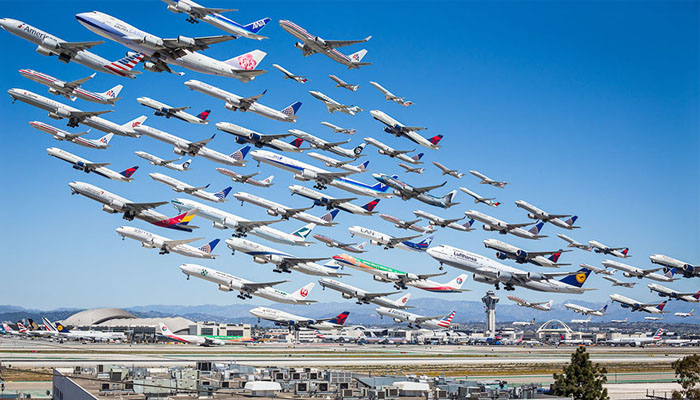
(182, 187)
(506, 251)
(337, 129)
(330, 202)
(236, 177)
(279, 210)
(663, 291)
(289, 75)
(296, 322)
(419, 321)
(390, 96)
(620, 252)
(61, 135)
(554, 219)
(539, 306)
(364, 297)
(88, 166)
(333, 163)
(453, 286)
(689, 270)
(157, 161)
(636, 341)
(196, 12)
(333, 105)
(434, 221)
(494, 224)
(489, 201)
(165, 245)
(397, 129)
(634, 305)
(341, 83)
(633, 272)
(382, 273)
(485, 180)
(311, 44)
(259, 140)
(333, 147)
(72, 90)
(393, 153)
(164, 110)
(585, 310)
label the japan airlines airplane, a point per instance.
(247, 289)
(434, 221)
(236, 177)
(289, 75)
(75, 116)
(406, 191)
(409, 169)
(189, 339)
(259, 140)
(311, 44)
(381, 273)
(446, 171)
(72, 90)
(419, 321)
(573, 243)
(280, 210)
(281, 318)
(212, 16)
(688, 270)
(365, 297)
(333, 147)
(617, 282)
(494, 224)
(50, 45)
(337, 129)
(341, 83)
(614, 251)
(585, 310)
(453, 286)
(540, 306)
(157, 161)
(401, 224)
(398, 129)
(180, 187)
(684, 315)
(333, 163)
(164, 110)
(633, 272)
(378, 238)
(333, 105)
(663, 291)
(330, 202)
(88, 166)
(61, 135)
(165, 245)
(393, 153)
(238, 103)
(485, 180)
(390, 96)
(634, 305)
(506, 251)
(489, 201)
(330, 242)
(554, 219)
(116, 204)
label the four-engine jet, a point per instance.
(281, 318)
(380, 272)
(311, 44)
(419, 321)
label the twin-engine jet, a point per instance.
(160, 162)
(165, 245)
(573, 243)
(496, 225)
(406, 191)
(196, 12)
(337, 129)
(398, 129)
(689, 270)
(634, 305)
(61, 135)
(485, 180)
(419, 321)
(281, 318)
(663, 291)
(72, 90)
(333, 105)
(364, 297)
(434, 220)
(341, 83)
(506, 251)
(182, 187)
(453, 286)
(381, 239)
(333, 163)
(554, 219)
(393, 153)
(489, 201)
(289, 75)
(401, 224)
(88, 166)
(280, 210)
(330, 202)
(585, 310)
(259, 140)
(333, 147)
(390, 96)
(164, 110)
(634, 272)
(447, 171)
(540, 306)
(311, 44)
(617, 282)
(330, 242)
(236, 177)
(620, 252)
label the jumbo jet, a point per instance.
(61, 331)
(406, 191)
(312, 44)
(364, 297)
(333, 147)
(50, 45)
(688, 270)
(393, 153)
(572, 243)
(236, 177)
(247, 289)
(259, 140)
(506, 251)
(489, 201)
(289, 75)
(280, 210)
(164, 110)
(75, 116)
(238, 103)
(419, 321)
(663, 291)
(330, 202)
(453, 286)
(333, 105)
(684, 315)
(434, 221)
(634, 305)
(281, 318)
(114, 204)
(390, 96)
(61, 135)
(493, 224)
(378, 238)
(72, 90)
(617, 282)
(398, 129)
(189, 339)
(554, 219)
(166, 245)
(182, 51)
(401, 224)
(540, 306)
(381, 273)
(212, 16)
(620, 252)
(341, 83)
(88, 166)
(157, 161)
(409, 169)
(585, 310)
(485, 180)
(633, 272)
(337, 129)
(330, 242)
(182, 187)
(333, 163)
(446, 171)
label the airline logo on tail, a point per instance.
(222, 194)
(297, 142)
(209, 247)
(436, 139)
(204, 115)
(328, 217)
(370, 206)
(292, 109)
(658, 333)
(445, 322)
(246, 61)
(179, 222)
(239, 155)
(340, 318)
(578, 279)
(661, 306)
(555, 257)
(129, 171)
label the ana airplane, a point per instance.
(585, 310)
(401, 224)
(634, 305)
(289, 75)
(61, 135)
(189, 339)
(247, 289)
(164, 110)
(620, 252)
(581, 321)
(333, 147)
(494, 224)
(72, 90)
(365, 297)
(378, 238)
(406, 191)
(390, 96)
(524, 323)
(540, 306)
(311, 44)
(165, 245)
(238, 103)
(333, 105)
(337, 129)
(636, 341)
(212, 16)
(88, 166)
(381, 273)
(434, 220)
(489, 201)
(684, 315)
(398, 129)
(408, 169)
(554, 219)
(50, 45)
(506, 251)
(341, 83)
(333, 163)
(663, 291)
(419, 321)
(182, 187)
(277, 209)
(236, 177)
(617, 282)
(688, 270)
(446, 171)
(633, 272)
(393, 153)
(330, 203)
(281, 318)
(485, 180)
(330, 242)
(453, 286)
(153, 160)
(259, 140)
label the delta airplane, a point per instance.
(75, 116)
(540, 306)
(636, 342)
(489, 201)
(493, 224)
(333, 163)
(613, 251)
(189, 339)
(236, 177)
(554, 219)
(573, 243)
(434, 221)
(485, 180)
(72, 90)
(393, 153)
(453, 286)
(180, 187)
(382, 273)
(181, 51)
(390, 96)
(259, 140)
(289, 75)
(247, 289)
(585, 310)
(633, 272)
(365, 297)
(406, 191)
(446, 171)
(165, 245)
(419, 321)
(378, 238)
(341, 83)
(114, 204)
(49, 45)
(401, 224)
(337, 129)
(333, 105)
(330, 242)
(663, 291)
(506, 251)
(634, 305)
(409, 169)
(212, 16)
(333, 147)
(617, 282)
(491, 272)
(280, 210)
(689, 270)
(88, 166)
(330, 203)
(311, 44)
(684, 315)
(236, 103)
(398, 129)
(281, 318)
(157, 161)
(581, 321)
(164, 110)
(61, 135)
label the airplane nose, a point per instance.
(73, 184)
(5, 23)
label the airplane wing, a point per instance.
(294, 211)
(76, 83)
(423, 319)
(173, 243)
(75, 47)
(333, 144)
(546, 253)
(253, 286)
(94, 166)
(333, 175)
(398, 240)
(202, 11)
(427, 188)
(255, 224)
(412, 128)
(269, 138)
(81, 115)
(246, 102)
(138, 207)
(196, 43)
(449, 221)
(194, 189)
(301, 260)
(341, 201)
(617, 249)
(196, 146)
(171, 161)
(370, 296)
(426, 276)
(514, 226)
(559, 215)
(397, 152)
(651, 270)
(342, 43)
(176, 109)
(75, 135)
(389, 218)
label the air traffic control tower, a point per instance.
(490, 301)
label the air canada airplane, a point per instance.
(88, 166)
(397, 129)
(61, 135)
(196, 12)
(281, 318)
(540, 306)
(311, 44)
(165, 245)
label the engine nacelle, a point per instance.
(504, 276)
(173, 9)
(532, 216)
(378, 278)
(43, 51)
(535, 276)
(308, 174)
(392, 276)
(49, 43)
(411, 319)
(688, 268)
(299, 45)
(489, 228)
(59, 113)
(231, 106)
(375, 242)
(147, 245)
(481, 279)
(152, 41)
(501, 256)
(225, 288)
(260, 260)
(186, 41)
(109, 209)
(117, 205)
(272, 213)
(254, 137)
(150, 66)
(54, 91)
(183, 7)
(240, 140)
(179, 189)
(179, 151)
(346, 296)
(521, 254)
(218, 225)
(627, 274)
(320, 41)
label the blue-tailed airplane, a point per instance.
(212, 16)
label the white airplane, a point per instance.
(182, 187)
(617, 282)
(88, 166)
(280, 210)
(61, 135)
(59, 330)
(393, 153)
(289, 75)
(382, 273)
(365, 297)
(181, 51)
(573, 243)
(634, 305)
(506, 251)
(390, 96)
(398, 129)
(585, 310)
(489, 201)
(72, 90)
(485, 180)
(653, 318)
(663, 291)
(337, 129)
(409, 169)
(238, 103)
(453, 286)
(259, 140)
(637, 341)
(333, 147)
(492, 272)
(75, 116)
(493, 224)
(378, 238)
(333, 163)
(597, 270)
(540, 306)
(311, 44)
(633, 272)
(341, 83)
(50, 45)
(165, 245)
(419, 321)
(620, 252)
(401, 224)
(212, 16)
(333, 105)
(236, 177)
(524, 323)
(330, 242)
(153, 160)
(247, 289)
(688, 270)
(434, 220)
(619, 321)
(406, 191)
(330, 202)
(581, 321)
(684, 315)
(164, 110)
(446, 171)
(296, 322)
(554, 219)
(189, 339)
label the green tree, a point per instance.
(581, 379)
(688, 374)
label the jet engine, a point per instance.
(346, 296)
(299, 45)
(241, 140)
(378, 278)
(49, 43)
(184, 40)
(183, 7)
(225, 288)
(218, 225)
(522, 254)
(320, 41)
(488, 227)
(375, 242)
(260, 260)
(481, 279)
(535, 276)
(152, 41)
(232, 107)
(43, 51)
(179, 151)
(532, 216)
(392, 277)
(109, 209)
(150, 66)
(272, 213)
(504, 276)
(59, 113)
(501, 256)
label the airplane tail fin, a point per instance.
(555, 257)
(363, 166)
(204, 115)
(32, 325)
(547, 305)
(661, 306)
(60, 328)
(468, 224)
(105, 139)
(625, 251)
(303, 292)
(239, 155)
(340, 318)
(358, 149)
(379, 187)
(445, 322)
(297, 142)
(292, 109)
(535, 230)
(129, 171)
(362, 246)
(425, 243)
(658, 333)
(371, 205)
(605, 308)
(304, 231)
(49, 325)
(164, 330)
(113, 93)
(578, 279)
(436, 139)
(457, 282)
(24, 329)
(329, 216)
(571, 221)
(358, 56)
(223, 193)
(417, 157)
(209, 247)
(129, 126)
(691, 312)
(448, 197)
(670, 272)
(247, 61)
(268, 180)
(179, 222)
(186, 164)
(403, 299)
(257, 25)
(696, 296)
(124, 66)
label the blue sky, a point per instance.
(588, 108)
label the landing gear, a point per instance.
(73, 122)
(129, 215)
(192, 20)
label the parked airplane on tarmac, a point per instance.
(337, 129)
(341, 83)
(281, 318)
(401, 224)
(489, 201)
(333, 147)
(635, 341)
(620, 252)
(277, 209)
(330, 242)
(61, 135)
(663, 291)
(573, 243)
(581, 321)
(493, 224)
(446, 171)
(189, 339)
(164, 110)
(634, 305)
(382, 273)
(236, 177)
(88, 166)
(259, 140)
(585, 310)
(333, 163)
(540, 306)
(165, 245)
(393, 153)
(434, 220)
(633, 272)
(61, 331)
(506, 251)
(311, 44)
(390, 96)
(182, 187)
(365, 297)
(289, 75)
(153, 160)
(333, 105)
(419, 321)
(406, 191)
(196, 12)
(617, 282)
(554, 219)
(688, 270)
(72, 90)
(330, 202)
(398, 129)
(453, 286)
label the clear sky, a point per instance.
(589, 108)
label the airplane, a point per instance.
(492, 272)
(153, 160)
(485, 180)
(633, 272)
(7, 329)
(365, 297)
(333, 105)
(390, 96)
(398, 129)
(247, 289)
(164, 110)
(634, 305)
(653, 318)
(581, 321)
(663, 291)
(289, 75)
(406, 191)
(684, 315)
(279, 210)
(165, 245)
(59, 330)
(453, 286)
(523, 323)
(416, 246)
(330, 203)
(597, 270)
(75, 116)
(259, 140)
(296, 322)
(687, 269)
(88, 166)
(619, 321)
(50, 45)
(636, 341)
(354, 335)
(181, 51)
(238, 103)
(116, 204)
(506, 251)
(585, 310)
(401, 224)
(333, 147)
(341, 83)
(489, 201)
(72, 90)
(617, 282)
(333, 163)
(378, 238)
(493, 224)
(573, 243)
(419, 321)
(189, 339)
(236, 177)
(434, 220)
(540, 306)
(330, 242)
(554, 219)
(613, 251)
(446, 171)
(212, 16)
(241, 226)
(409, 169)
(311, 44)
(182, 187)
(393, 153)
(61, 135)
(185, 147)
(337, 129)
(382, 273)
